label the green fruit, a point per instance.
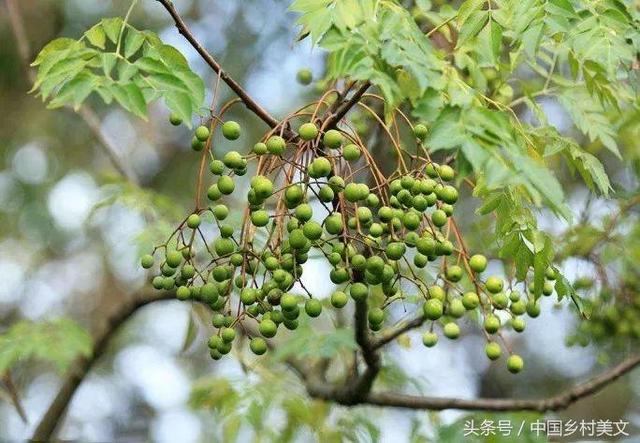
(304, 76)
(157, 282)
(420, 131)
(213, 193)
(547, 288)
(232, 160)
(454, 273)
(326, 194)
(426, 246)
(470, 300)
(216, 167)
(304, 212)
(375, 316)
(276, 145)
(456, 308)
(220, 212)
(262, 186)
(183, 293)
(321, 167)
(411, 220)
(493, 351)
(196, 144)
(550, 273)
(352, 192)
(500, 300)
(339, 299)
(226, 184)
(228, 335)
(494, 284)
(518, 324)
(448, 194)
(297, 239)
(289, 302)
(294, 195)
(351, 152)
(209, 293)
(313, 307)
(308, 131)
(429, 339)
(395, 250)
(518, 307)
(515, 364)
(268, 328)
(146, 261)
(202, 133)
(258, 345)
(260, 218)
(260, 148)
(446, 172)
(533, 309)
(175, 119)
(332, 139)
(193, 221)
(217, 320)
(231, 130)
(187, 272)
(226, 231)
(173, 259)
(420, 260)
(312, 230)
(359, 291)
(224, 246)
(491, 324)
(433, 309)
(248, 296)
(451, 331)
(478, 263)
(437, 293)
(168, 283)
(333, 224)
(439, 218)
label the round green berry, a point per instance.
(313, 307)
(220, 212)
(359, 291)
(258, 345)
(193, 221)
(276, 145)
(420, 131)
(338, 299)
(202, 133)
(175, 119)
(451, 330)
(260, 148)
(491, 324)
(478, 263)
(173, 259)
(304, 76)
(493, 351)
(308, 131)
(183, 293)
(494, 284)
(351, 152)
(515, 364)
(433, 309)
(231, 130)
(439, 218)
(268, 328)
(146, 261)
(332, 139)
(429, 339)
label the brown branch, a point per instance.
(81, 367)
(396, 330)
(89, 117)
(249, 102)
(554, 403)
(334, 118)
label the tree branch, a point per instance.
(86, 113)
(81, 366)
(249, 102)
(396, 330)
(334, 118)
(554, 403)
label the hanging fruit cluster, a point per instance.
(319, 192)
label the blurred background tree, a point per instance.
(75, 222)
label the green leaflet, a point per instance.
(26, 340)
(142, 70)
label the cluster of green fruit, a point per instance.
(611, 319)
(376, 239)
